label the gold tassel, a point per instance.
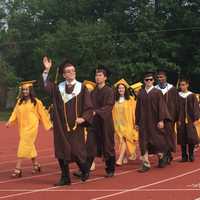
(186, 120)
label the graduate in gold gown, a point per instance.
(28, 112)
(124, 122)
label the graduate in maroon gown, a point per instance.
(72, 111)
(103, 101)
(151, 114)
(188, 119)
(170, 94)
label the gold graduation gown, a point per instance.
(27, 116)
(124, 122)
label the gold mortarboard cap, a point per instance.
(136, 86)
(89, 85)
(122, 81)
(26, 84)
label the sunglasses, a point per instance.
(148, 79)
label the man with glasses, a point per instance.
(151, 112)
(170, 94)
(72, 110)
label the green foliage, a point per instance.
(128, 36)
(7, 76)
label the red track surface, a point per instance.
(180, 181)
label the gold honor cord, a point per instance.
(65, 115)
(186, 115)
(65, 110)
(178, 81)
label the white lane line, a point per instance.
(39, 157)
(29, 167)
(90, 180)
(14, 154)
(148, 185)
(38, 176)
(48, 189)
(100, 190)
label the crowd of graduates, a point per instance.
(89, 118)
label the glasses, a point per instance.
(148, 79)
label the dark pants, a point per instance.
(187, 149)
(64, 167)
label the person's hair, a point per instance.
(65, 64)
(161, 72)
(184, 80)
(101, 71)
(31, 95)
(126, 94)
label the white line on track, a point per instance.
(101, 190)
(48, 189)
(14, 154)
(14, 161)
(90, 180)
(148, 185)
(38, 176)
(30, 167)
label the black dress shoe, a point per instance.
(109, 174)
(63, 181)
(144, 168)
(163, 161)
(169, 158)
(77, 174)
(84, 176)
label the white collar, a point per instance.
(149, 89)
(121, 99)
(166, 89)
(71, 83)
(185, 94)
(65, 96)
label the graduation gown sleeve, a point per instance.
(43, 115)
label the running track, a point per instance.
(180, 181)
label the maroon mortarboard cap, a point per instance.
(148, 74)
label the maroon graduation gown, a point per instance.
(103, 101)
(69, 145)
(189, 108)
(171, 100)
(151, 109)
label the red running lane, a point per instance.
(178, 181)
